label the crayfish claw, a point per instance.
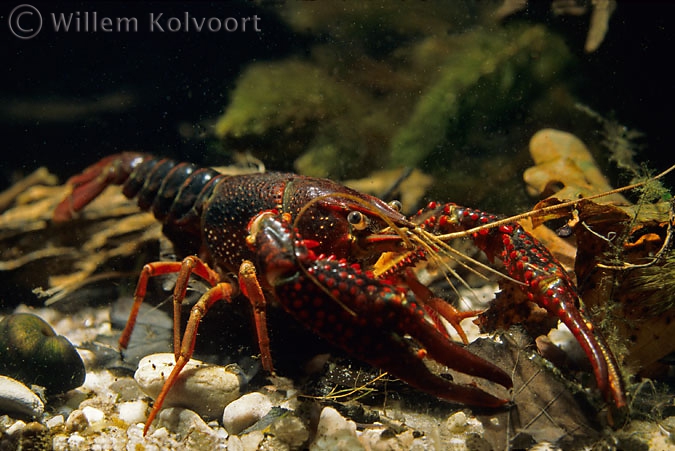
(407, 365)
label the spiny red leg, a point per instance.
(184, 269)
(149, 270)
(219, 292)
(189, 265)
(248, 281)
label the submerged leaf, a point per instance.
(545, 408)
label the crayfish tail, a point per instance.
(112, 170)
(173, 192)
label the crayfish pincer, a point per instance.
(310, 245)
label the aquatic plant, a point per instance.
(285, 109)
(491, 73)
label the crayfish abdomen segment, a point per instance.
(175, 192)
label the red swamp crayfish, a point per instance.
(310, 244)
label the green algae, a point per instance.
(283, 95)
(492, 73)
(290, 108)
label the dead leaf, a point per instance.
(106, 240)
(409, 187)
(544, 409)
(562, 158)
(621, 283)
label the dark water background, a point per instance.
(178, 80)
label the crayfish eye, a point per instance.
(357, 220)
(396, 205)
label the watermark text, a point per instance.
(26, 21)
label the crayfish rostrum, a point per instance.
(310, 244)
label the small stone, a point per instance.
(460, 423)
(60, 442)
(252, 441)
(384, 438)
(234, 443)
(203, 388)
(16, 398)
(18, 426)
(245, 411)
(160, 434)
(77, 421)
(132, 412)
(459, 428)
(55, 421)
(181, 421)
(127, 389)
(35, 436)
(64, 410)
(335, 432)
(76, 442)
(456, 423)
(186, 423)
(290, 430)
(93, 414)
(31, 352)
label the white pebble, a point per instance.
(181, 421)
(234, 443)
(16, 427)
(245, 411)
(201, 387)
(98, 381)
(77, 421)
(60, 442)
(76, 442)
(460, 424)
(252, 441)
(55, 421)
(335, 432)
(186, 423)
(457, 423)
(93, 414)
(132, 412)
(290, 430)
(15, 397)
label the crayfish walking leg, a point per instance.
(183, 349)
